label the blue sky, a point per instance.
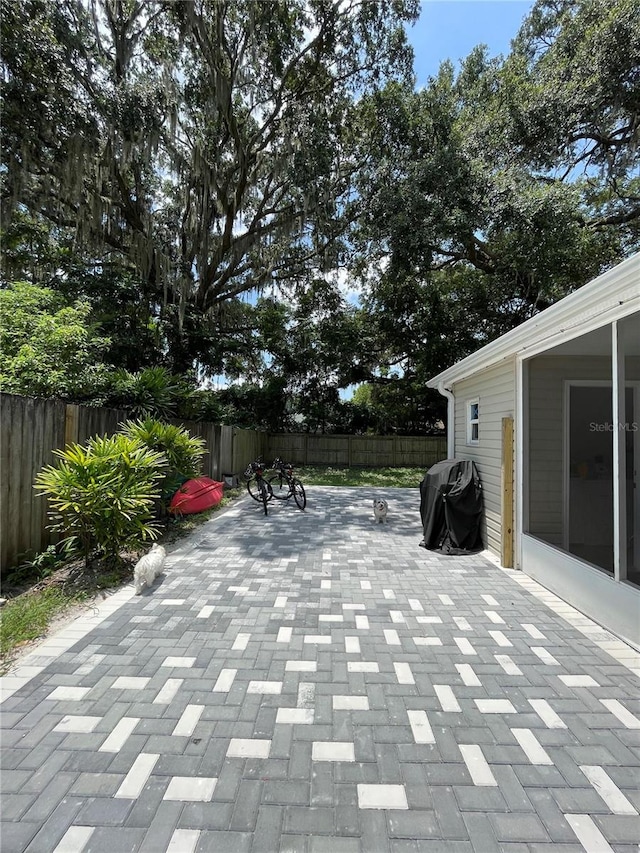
(450, 29)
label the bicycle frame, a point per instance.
(257, 486)
(284, 476)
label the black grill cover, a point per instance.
(451, 507)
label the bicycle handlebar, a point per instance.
(253, 467)
(259, 465)
(280, 464)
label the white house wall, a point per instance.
(494, 388)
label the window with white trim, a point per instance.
(473, 421)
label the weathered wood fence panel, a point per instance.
(328, 450)
(247, 446)
(364, 449)
(292, 447)
(226, 450)
(85, 422)
(357, 450)
(31, 429)
(102, 422)
(420, 451)
(211, 435)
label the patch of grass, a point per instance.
(400, 478)
(28, 616)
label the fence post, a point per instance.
(71, 423)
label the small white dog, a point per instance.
(380, 509)
(148, 567)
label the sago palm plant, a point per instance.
(182, 451)
(103, 494)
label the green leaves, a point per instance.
(574, 74)
(182, 452)
(103, 493)
(48, 348)
(201, 145)
(489, 194)
(150, 392)
(163, 160)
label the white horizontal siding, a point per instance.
(494, 389)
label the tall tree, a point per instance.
(203, 144)
(303, 351)
(572, 91)
(492, 193)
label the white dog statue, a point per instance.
(148, 567)
(380, 509)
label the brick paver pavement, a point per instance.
(317, 683)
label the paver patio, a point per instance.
(317, 683)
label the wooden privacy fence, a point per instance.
(31, 429)
(372, 451)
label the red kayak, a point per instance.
(196, 496)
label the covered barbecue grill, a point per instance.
(451, 507)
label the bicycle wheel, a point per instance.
(265, 495)
(299, 495)
(279, 487)
(254, 489)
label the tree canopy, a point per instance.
(197, 173)
(523, 175)
(202, 145)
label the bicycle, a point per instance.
(257, 486)
(283, 484)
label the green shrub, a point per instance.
(201, 405)
(103, 493)
(48, 348)
(182, 451)
(151, 392)
(41, 565)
